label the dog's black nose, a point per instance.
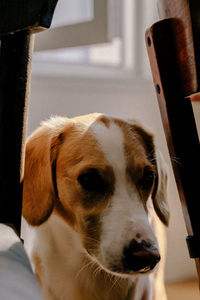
(140, 257)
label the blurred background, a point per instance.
(94, 60)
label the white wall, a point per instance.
(122, 98)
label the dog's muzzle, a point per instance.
(140, 257)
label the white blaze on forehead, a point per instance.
(111, 141)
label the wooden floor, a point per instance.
(187, 290)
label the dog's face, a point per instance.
(99, 175)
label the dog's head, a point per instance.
(99, 174)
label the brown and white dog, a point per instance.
(88, 187)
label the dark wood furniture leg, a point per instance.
(179, 124)
(14, 87)
(18, 22)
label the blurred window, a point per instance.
(98, 33)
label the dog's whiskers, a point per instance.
(176, 160)
(115, 282)
(89, 264)
(97, 271)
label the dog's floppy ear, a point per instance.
(38, 189)
(159, 195)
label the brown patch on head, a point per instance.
(139, 150)
(105, 120)
(145, 167)
(147, 140)
(136, 137)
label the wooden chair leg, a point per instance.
(179, 125)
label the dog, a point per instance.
(92, 187)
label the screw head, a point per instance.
(158, 88)
(149, 41)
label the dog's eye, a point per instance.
(91, 180)
(147, 178)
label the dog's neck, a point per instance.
(71, 270)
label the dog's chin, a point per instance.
(125, 273)
(129, 273)
(117, 269)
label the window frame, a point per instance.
(79, 34)
(133, 61)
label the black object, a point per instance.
(193, 244)
(18, 21)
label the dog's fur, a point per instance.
(80, 232)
